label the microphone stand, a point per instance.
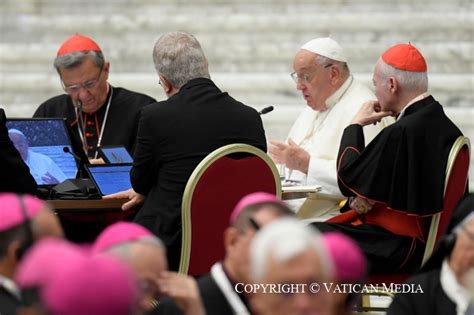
(81, 126)
(78, 160)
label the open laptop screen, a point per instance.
(40, 142)
(110, 178)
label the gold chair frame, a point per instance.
(194, 180)
(460, 142)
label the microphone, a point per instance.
(80, 124)
(266, 110)
(77, 158)
(74, 155)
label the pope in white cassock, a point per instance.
(333, 97)
(43, 169)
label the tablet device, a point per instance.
(110, 178)
(115, 154)
(41, 143)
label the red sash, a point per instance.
(397, 222)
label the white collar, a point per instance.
(413, 101)
(217, 272)
(336, 96)
(10, 286)
(453, 289)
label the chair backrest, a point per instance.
(457, 170)
(212, 191)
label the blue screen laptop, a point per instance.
(110, 178)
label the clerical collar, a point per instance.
(453, 289)
(234, 282)
(336, 96)
(10, 286)
(228, 290)
(413, 101)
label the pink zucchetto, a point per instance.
(11, 213)
(253, 199)
(38, 266)
(93, 286)
(348, 259)
(119, 233)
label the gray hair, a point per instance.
(322, 60)
(178, 56)
(408, 80)
(124, 250)
(77, 58)
(283, 240)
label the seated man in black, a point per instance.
(399, 177)
(98, 113)
(16, 175)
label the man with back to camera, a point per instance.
(333, 97)
(98, 113)
(176, 134)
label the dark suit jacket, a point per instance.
(173, 137)
(432, 301)
(214, 301)
(14, 173)
(8, 303)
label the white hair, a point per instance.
(283, 240)
(124, 249)
(14, 131)
(408, 80)
(324, 61)
(458, 229)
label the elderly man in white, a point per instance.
(333, 97)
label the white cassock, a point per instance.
(40, 165)
(319, 133)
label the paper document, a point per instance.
(303, 189)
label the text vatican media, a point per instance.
(330, 287)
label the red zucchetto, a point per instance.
(405, 57)
(77, 43)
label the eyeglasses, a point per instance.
(305, 78)
(88, 85)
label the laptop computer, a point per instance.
(110, 178)
(115, 154)
(41, 143)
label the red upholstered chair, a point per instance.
(212, 191)
(457, 170)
